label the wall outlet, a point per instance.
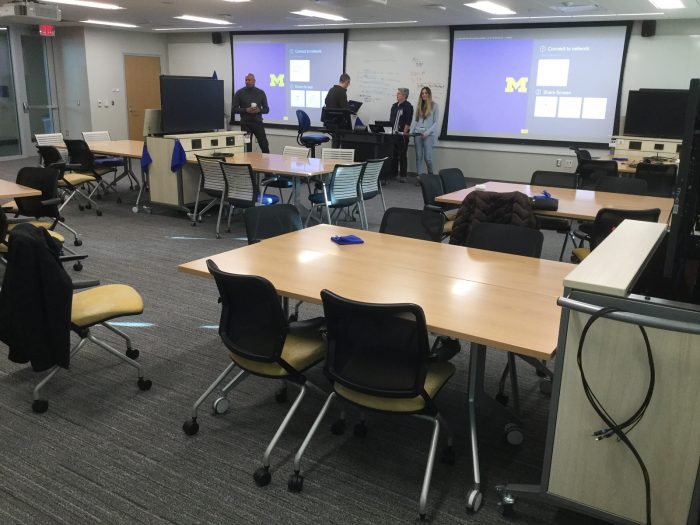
(99, 102)
(558, 163)
(569, 163)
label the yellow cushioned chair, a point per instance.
(261, 342)
(378, 360)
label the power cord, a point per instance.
(612, 427)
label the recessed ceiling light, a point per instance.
(359, 23)
(189, 28)
(490, 7)
(85, 3)
(318, 14)
(237, 1)
(104, 23)
(204, 20)
(667, 4)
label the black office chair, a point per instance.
(660, 178)
(84, 161)
(452, 179)
(431, 187)
(589, 171)
(629, 186)
(417, 224)
(305, 137)
(606, 220)
(263, 222)
(342, 191)
(555, 179)
(38, 309)
(263, 343)
(378, 360)
(581, 154)
(516, 240)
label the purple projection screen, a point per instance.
(295, 70)
(536, 84)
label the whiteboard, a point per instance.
(378, 67)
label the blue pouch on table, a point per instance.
(346, 239)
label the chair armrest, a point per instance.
(78, 285)
(51, 202)
(307, 325)
(71, 258)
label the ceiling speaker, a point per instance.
(217, 38)
(648, 27)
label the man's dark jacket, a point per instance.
(35, 300)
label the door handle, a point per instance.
(25, 107)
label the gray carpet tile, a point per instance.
(106, 452)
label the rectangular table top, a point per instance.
(282, 164)
(500, 300)
(118, 148)
(10, 190)
(573, 203)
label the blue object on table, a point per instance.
(146, 159)
(346, 239)
(268, 199)
(179, 158)
(546, 194)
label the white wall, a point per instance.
(104, 52)
(71, 81)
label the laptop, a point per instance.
(376, 128)
(354, 106)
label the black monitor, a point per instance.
(191, 104)
(657, 113)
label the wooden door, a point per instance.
(142, 75)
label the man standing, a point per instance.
(337, 97)
(400, 117)
(251, 104)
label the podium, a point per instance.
(369, 146)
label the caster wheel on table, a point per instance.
(144, 384)
(221, 405)
(190, 427)
(514, 434)
(39, 406)
(132, 353)
(262, 476)
(295, 483)
(474, 500)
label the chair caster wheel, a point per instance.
(81, 207)
(514, 434)
(262, 476)
(218, 236)
(39, 406)
(88, 206)
(293, 318)
(119, 200)
(360, 430)
(77, 267)
(220, 405)
(338, 427)
(132, 353)
(506, 504)
(135, 209)
(474, 500)
(78, 242)
(295, 483)
(502, 399)
(144, 384)
(99, 213)
(448, 455)
(281, 396)
(190, 427)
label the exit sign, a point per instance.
(47, 30)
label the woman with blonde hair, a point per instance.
(424, 127)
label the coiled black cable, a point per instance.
(612, 427)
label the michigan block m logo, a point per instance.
(520, 85)
(278, 80)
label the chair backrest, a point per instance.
(304, 122)
(252, 324)
(370, 185)
(96, 136)
(660, 178)
(513, 208)
(607, 219)
(212, 180)
(50, 155)
(295, 151)
(46, 181)
(506, 238)
(553, 179)
(344, 182)
(3, 225)
(338, 154)
(431, 187)
(49, 139)
(263, 222)
(417, 224)
(377, 349)
(630, 186)
(590, 171)
(452, 179)
(242, 184)
(80, 153)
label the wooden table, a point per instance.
(487, 298)
(127, 150)
(10, 190)
(573, 204)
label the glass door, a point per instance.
(9, 125)
(39, 105)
